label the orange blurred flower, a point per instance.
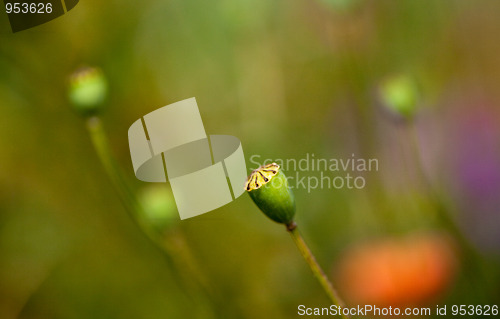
(397, 271)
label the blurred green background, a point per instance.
(288, 78)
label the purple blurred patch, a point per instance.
(479, 160)
(477, 168)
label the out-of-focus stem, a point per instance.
(476, 265)
(101, 146)
(175, 247)
(315, 267)
(441, 209)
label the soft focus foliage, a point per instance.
(288, 78)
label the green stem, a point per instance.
(475, 264)
(101, 146)
(181, 256)
(315, 267)
(433, 196)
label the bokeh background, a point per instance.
(288, 78)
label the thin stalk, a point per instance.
(176, 248)
(315, 267)
(433, 196)
(175, 243)
(476, 266)
(101, 146)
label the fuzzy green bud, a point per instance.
(159, 210)
(88, 89)
(400, 94)
(268, 187)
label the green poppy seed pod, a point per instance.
(268, 187)
(88, 89)
(400, 94)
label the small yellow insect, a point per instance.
(261, 176)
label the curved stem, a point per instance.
(315, 267)
(443, 214)
(101, 146)
(476, 265)
(180, 254)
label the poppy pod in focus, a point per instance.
(268, 187)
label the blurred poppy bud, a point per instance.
(268, 187)
(400, 95)
(159, 211)
(87, 90)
